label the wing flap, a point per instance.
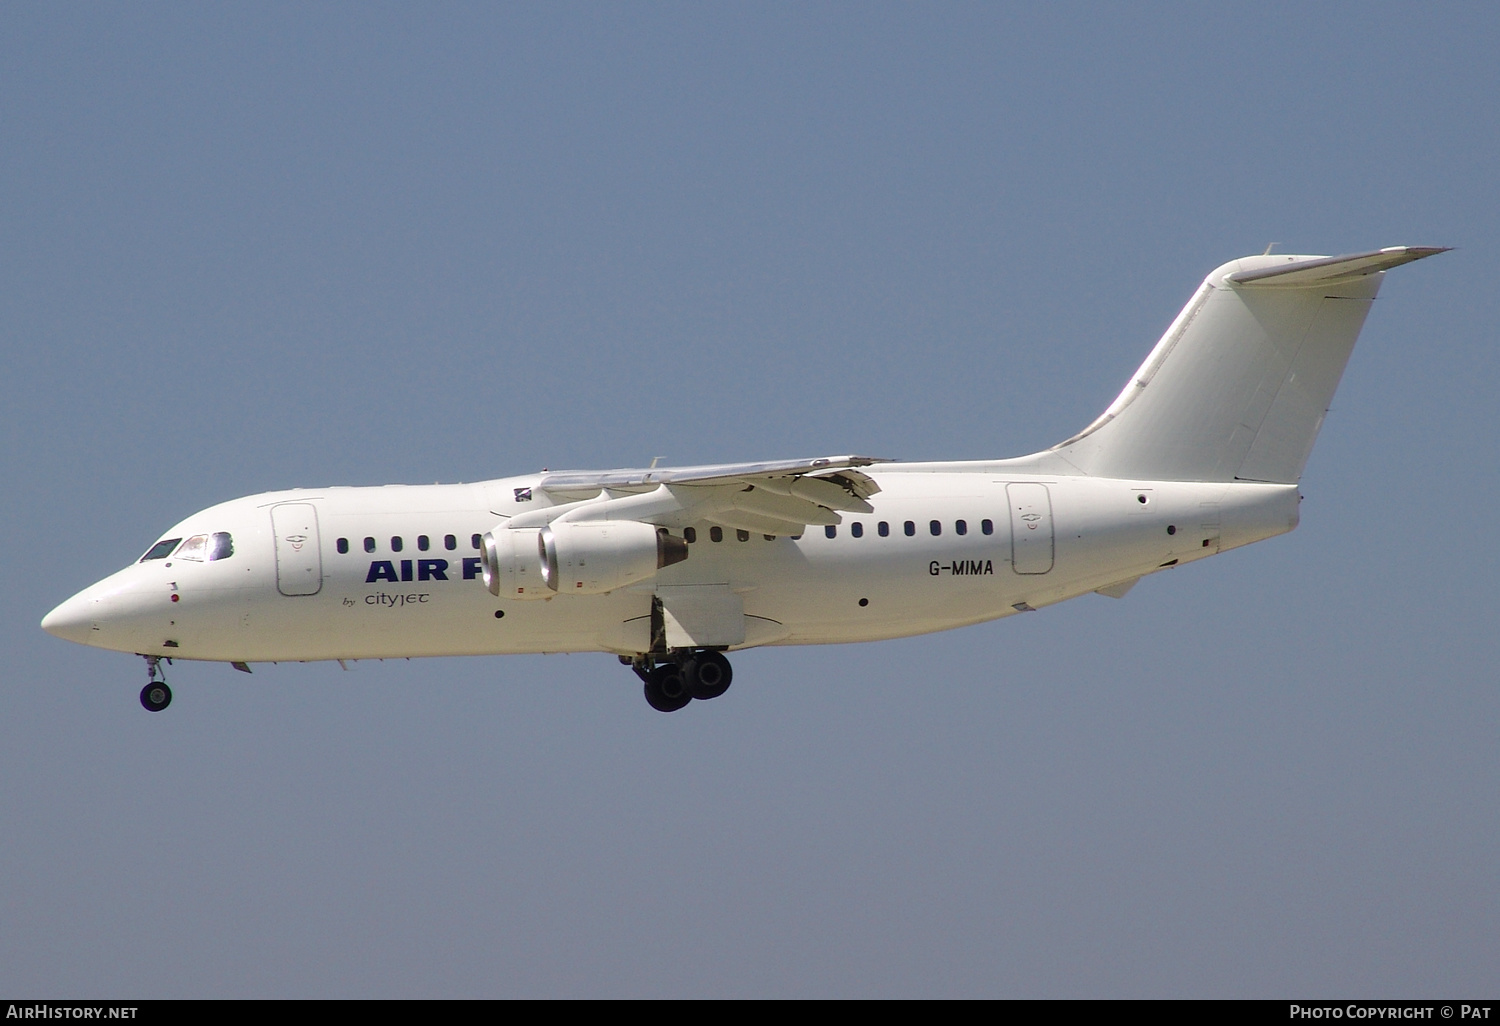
(790, 508)
(755, 523)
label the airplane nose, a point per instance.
(123, 612)
(73, 620)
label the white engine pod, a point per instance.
(511, 566)
(575, 559)
(592, 557)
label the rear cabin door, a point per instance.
(299, 554)
(1031, 543)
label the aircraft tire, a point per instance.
(667, 690)
(156, 696)
(709, 675)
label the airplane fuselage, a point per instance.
(396, 571)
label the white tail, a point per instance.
(1238, 386)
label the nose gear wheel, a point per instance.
(155, 696)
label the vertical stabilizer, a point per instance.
(1238, 386)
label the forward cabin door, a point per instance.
(299, 553)
(1031, 541)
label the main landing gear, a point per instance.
(685, 675)
(155, 696)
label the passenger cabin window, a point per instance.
(369, 544)
(960, 527)
(716, 534)
(987, 526)
(935, 526)
(161, 550)
(422, 543)
(689, 534)
(742, 535)
(884, 529)
(449, 542)
(857, 529)
(395, 543)
(474, 541)
(831, 531)
(343, 546)
(910, 528)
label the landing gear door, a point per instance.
(702, 615)
(299, 552)
(1031, 544)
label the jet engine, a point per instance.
(587, 558)
(512, 568)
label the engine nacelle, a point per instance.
(566, 558)
(596, 556)
(512, 566)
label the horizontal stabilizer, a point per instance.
(1301, 272)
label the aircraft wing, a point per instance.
(572, 482)
(775, 497)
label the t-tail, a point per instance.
(1237, 388)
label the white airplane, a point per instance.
(671, 568)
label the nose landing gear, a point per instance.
(155, 696)
(685, 675)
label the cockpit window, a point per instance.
(198, 548)
(194, 548)
(204, 546)
(162, 549)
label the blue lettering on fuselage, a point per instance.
(421, 570)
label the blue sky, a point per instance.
(264, 246)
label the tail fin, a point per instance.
(1238, 386)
